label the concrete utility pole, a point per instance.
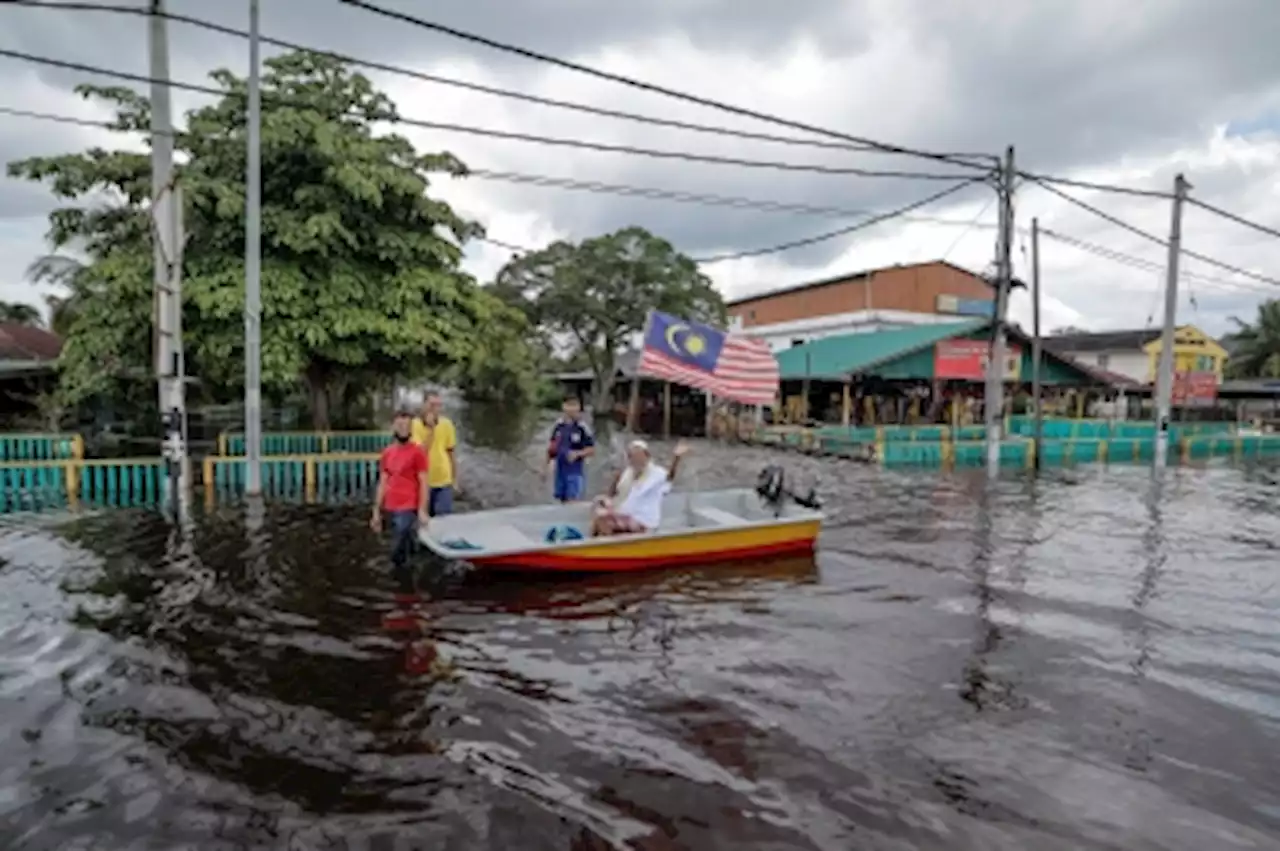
(994, 401)
(253, 271)
(1036, 342)
(1164, 369)
(168, 240)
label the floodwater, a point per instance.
(1082, 662)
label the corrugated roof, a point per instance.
(848, 277)
(1102, 341)
(24, 343)
(837, 357)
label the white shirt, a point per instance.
(642, 500)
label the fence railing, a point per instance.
(306, 442)
(296, 478)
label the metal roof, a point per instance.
(1102, 341)
(838, 357)
(845, 278)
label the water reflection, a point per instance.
(970, 664)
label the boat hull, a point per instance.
(631, 553)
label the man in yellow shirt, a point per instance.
(435, 433)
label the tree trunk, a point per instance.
(317, 380)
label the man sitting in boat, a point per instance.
(637, 493)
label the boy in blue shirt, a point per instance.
(571, 444)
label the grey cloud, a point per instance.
(1069, 91)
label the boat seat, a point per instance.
(718, 516)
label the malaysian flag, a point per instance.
(697, 355)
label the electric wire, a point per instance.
(759, 205)
(212, 26)
(653, 88)
(1238, 219)
(823, 237)
(1150, 237)
(554, 141)
(863, 146)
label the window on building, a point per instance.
(751, 314)
(1104, 361)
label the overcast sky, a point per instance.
(1127, 93)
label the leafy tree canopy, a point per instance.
(359, 278)
(1255, 346)
(20, 313)
(597, 293)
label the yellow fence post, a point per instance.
(948, 454)
(222, 444)
(309, 478)
(1031, 454)
(1102, 451)
(207, 475)
(71, 474)
(77, 446)
(324, 443)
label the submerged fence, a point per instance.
(1065, 443)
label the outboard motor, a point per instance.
(772, 488)
(770, 485)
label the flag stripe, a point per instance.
(746, 371)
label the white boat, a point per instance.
(706, 527)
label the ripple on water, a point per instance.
(1078, 662)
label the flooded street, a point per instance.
(1074, 663)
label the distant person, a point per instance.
(435, 432)
(634, 502)
(402, 491)
(571, 444)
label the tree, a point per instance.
(1255, 346)
(20, 313)
(596, 294)
(359, 278)
(67, 273)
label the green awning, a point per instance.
(836, 358)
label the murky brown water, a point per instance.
(1070, 664)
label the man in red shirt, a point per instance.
(402, 490)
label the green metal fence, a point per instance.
(298, 478)
(40, 447)
(307, 442)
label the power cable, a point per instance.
(1097, 187)
(1146, 265)
(555, 141)
(972, 224)
(653, 88)
(480, 88)
(865, 223)
(1150, 237)
(1240, 220)
(760, 205)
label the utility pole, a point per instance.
(994, 401)
(253, 270)
(168, 240)
(1036, 342)
(1164, 369)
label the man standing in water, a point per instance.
(402, 491)
(571, 444)
(435, 433)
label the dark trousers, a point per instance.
(404, 537)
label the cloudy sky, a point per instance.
(1119, 93)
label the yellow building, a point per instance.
(1193, 351)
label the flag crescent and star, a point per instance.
(730, 366)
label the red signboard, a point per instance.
(1195, 388)
(966, 360)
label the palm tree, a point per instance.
(20, 313)
(61, 271)
(1255, 346)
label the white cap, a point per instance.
(638, 444)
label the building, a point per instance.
(1136, 353)
(922, 293)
